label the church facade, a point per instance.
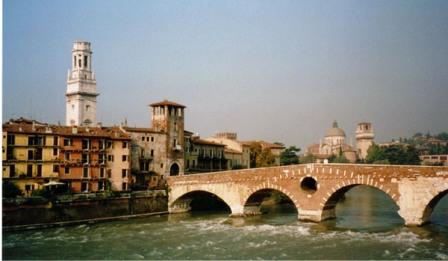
(334, 144)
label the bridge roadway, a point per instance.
(315, 189)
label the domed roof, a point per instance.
(335, 131)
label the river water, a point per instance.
(367, 227)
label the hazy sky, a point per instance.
(274, 70)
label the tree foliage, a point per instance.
(289, 156)
(339, 159)
(395, 154)
(307, 159)
(11, 190)
(442, 136)
(260, 157)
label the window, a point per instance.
(29, 170)
(11, 139)
(85, 60)
(55, 141)
(102, 144)
(74, 61)
(125, 144)
(67, 170)
(152, 153)
(30, 154)
(85, 172)
(101, 185)
(152, 139)
(38, 155)
(12, 171)
(87, 107)
(147, 138)
(67, 156)
(124, 158)
(79, 63)
(56, 168)
(143, 138)
(109, 144)
(85, 158)
(102, 158)
(67, 142)
(36, 141)
(85, 144)
(85, 187)
(124, 173)
(124, 186)
(110, 157)
(39, 170)
(55, 151)
(10, 153)
(161, 165)
(174, 143)
(101, 172)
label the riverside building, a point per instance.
(86, 159)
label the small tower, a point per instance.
(364, 138)
(81, 88)
(168, 117)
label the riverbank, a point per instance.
(22, 214)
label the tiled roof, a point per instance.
(167, 103)
(137, 129)
(228, 150)
(47, 129)
(205, 142)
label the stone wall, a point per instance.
(83, 209)
(315, 189)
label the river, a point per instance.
(367, 227)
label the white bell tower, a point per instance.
(81, 88)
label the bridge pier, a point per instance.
(413, 216)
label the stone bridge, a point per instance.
(316, 188)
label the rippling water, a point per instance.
(373, 231)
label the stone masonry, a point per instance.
(415, 189)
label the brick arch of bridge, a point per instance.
(431, 203)
(226, 192)
(274, 187)
(335, 193)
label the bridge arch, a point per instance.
(430, 206)
(183, 202)
(328, 203)
(251, 203)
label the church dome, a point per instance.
(335, 131)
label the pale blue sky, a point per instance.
(274, 70)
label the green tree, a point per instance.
(11, 190)
(339, 159)
(375, 153)
(307, 159)
(289, 156)
(412, 157)
(442, 136)
(255, 151)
